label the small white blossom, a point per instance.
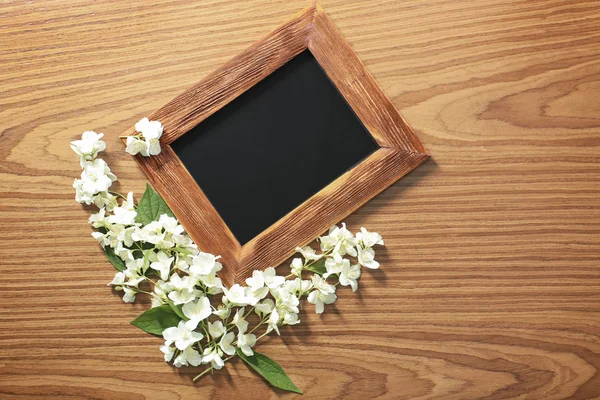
(222, 311)
(204, 264)
(118, 280)
(256, 283)
(366, 258)
(340, 241)
(239, 295)
(239, 321)
(196, 311)
(88, 147)
(188, 356)
(136, 145)
(226, 343)
(273, 322)
(181, 335)
(245, 343)
(182, 296)
(212, 356)
(324, 293)
(297, 266)
(264, 307)
(368, 239)
(99, 219)
(151, 131)
(105, 200)
(169, 352)
(216, 329)
(129, 296)
(272, 280)
(319, 299)
(125, 214)
(162, 265)
(335, 266)
(349, 276)
(308, 253)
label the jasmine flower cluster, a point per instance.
(158, 259)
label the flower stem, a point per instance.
(117, 194)
(210, 369)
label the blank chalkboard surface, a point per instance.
(274, 147)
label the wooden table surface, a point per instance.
(490, 280)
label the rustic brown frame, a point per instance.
(400, 150)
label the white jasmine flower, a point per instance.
(285, 300)
(264, 307)
(245, 343)
(149, 129)
(225, 343)
(321, 285)
(188, 356)
(335, 266)
(216, 329)
(273, 321)
(88, 147)
(179, 283)
(366, 258)
(222, 311)
(162, 265)
(290, 318)
(98, 220)
(162, 288)
(257, 285)
(118, 280)
(196, 311)
(349, 275)
(240, 296)
(169, 352)
(205, 264)
(105, 200)
(308, 253)
(181, 335)
(123, 235)
(136, 145)
(271, 279)
(129, 296)
(319, 299)
(151, 132)
(81, 195)
(239, 321)
(299, 286)
(213, 357)
(368, 239)
(340, 241)
(297, 266)
(183, 296)
(133, 277)
(125, 214)
(124, 253)
(170, 225)
(157, 301)
(97, 176)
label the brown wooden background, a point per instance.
(490, 285)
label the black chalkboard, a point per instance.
(274, 146)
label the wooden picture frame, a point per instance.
(400, 150)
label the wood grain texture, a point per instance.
(490, 279)
(400, 150)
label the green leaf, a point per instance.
(157, 319)
(318, 267)
(114, 259)
(177, 310)
(151, 207)
(269, 370)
